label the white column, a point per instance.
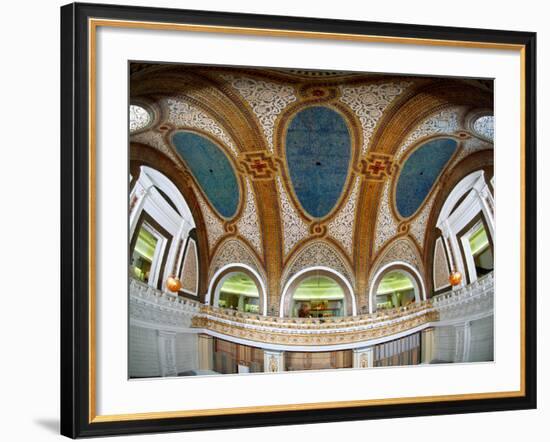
(467, 341)
(137, 200)
(462, 339)
(274, 361)
(484, 194)
(167, 353)
(206, 352)
(363, 357)
(175, 256)
(428, 345)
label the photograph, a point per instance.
(296, 219)
(272, 220)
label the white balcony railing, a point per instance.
(167, 311)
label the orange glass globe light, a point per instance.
(173, 284)
(455, 278)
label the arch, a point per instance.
(469, 199)
(475, 162)
(144, 155)
(420, 289)
(462, 187)
(225, 272)
(318, 252)
(293, 282)
(162, 182)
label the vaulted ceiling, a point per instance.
(285, 166)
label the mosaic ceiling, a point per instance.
(419, 173)
(305, 165)
(212, 170)
(318, 153)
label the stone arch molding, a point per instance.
(403, 267)
(305, 273)
(225, 272)
(150, 177)
(235, 251)
(400, 250)
(318, 253)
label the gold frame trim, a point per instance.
(93, 24)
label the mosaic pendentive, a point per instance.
(212, 170)
(267, 100)
(419, 173)
(249, 223)
(470, 146)
(318, 154)
(214, 227)
(184, 115)
(369, 103)
(386, 225)
(341, 228)
(444, 122)
(294, 227)
(418, 225)
(154, 139)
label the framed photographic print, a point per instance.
(279, 220)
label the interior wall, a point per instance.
(318, 361)
(465, 342)
(144, 359)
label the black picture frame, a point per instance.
(75, 220)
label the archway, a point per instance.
(467, 224)
(238, 287)
(317, 292)
(395, 285)
(160, 222)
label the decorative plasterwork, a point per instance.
(440, 266)
(155, 139)
(190, 273)
(341, 227)
(214, 227)
(184, 114)
(266, 99)
(314, 332)
(294, 228)
(369, 103)
(318, 253)
(140, 118)
(475, 300)
(443, 122)
(485, 126)
(249, 223)
(470, 146)
(417, 227)
(233, 251)
(402, 249)
(446, 121)
(386, 225)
